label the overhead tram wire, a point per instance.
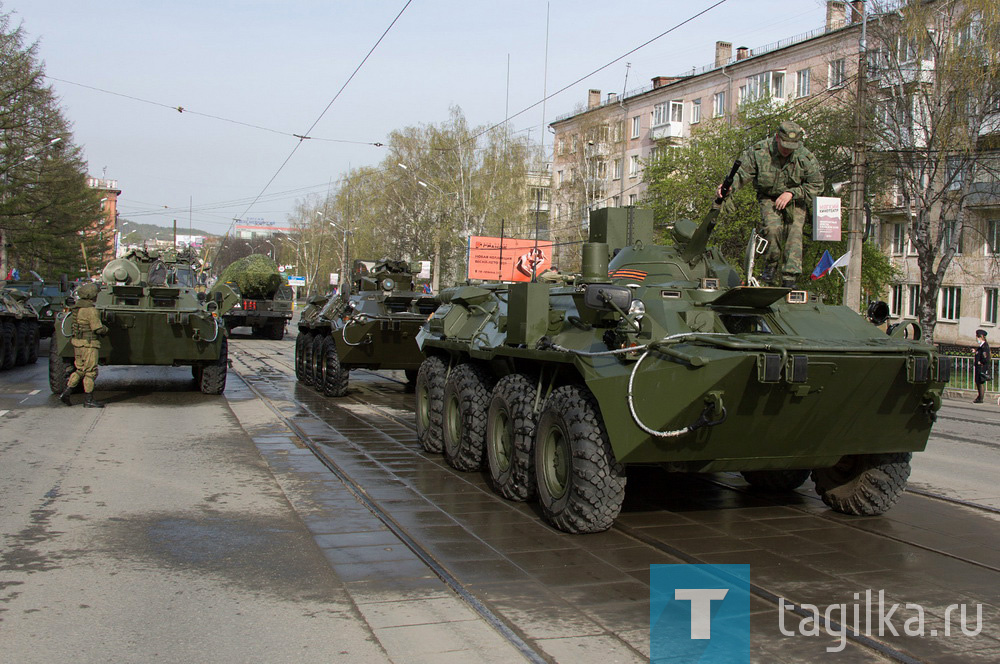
(305, 136)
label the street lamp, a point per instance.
(345, 275)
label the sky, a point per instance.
(121, 67)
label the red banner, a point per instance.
(510, 259)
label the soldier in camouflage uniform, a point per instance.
(786, 177)
(87, 327)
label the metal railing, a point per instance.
(963, 375)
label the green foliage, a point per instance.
(255, 275)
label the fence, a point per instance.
(963, 375)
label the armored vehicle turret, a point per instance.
(658, 355)
(47, 298)
(154, 315)
(18, 329)
(372, 327)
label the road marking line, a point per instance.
(33, 393)
(3, 412)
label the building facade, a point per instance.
(105, 227)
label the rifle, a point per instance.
(727, 184)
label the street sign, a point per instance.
(281, 268)
(334, 278)
(296, 281)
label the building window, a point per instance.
(576, 143)
(633, 165)
(838, 73)
(616, 201)
(990, 300)
(719, 104)
(802, 83)
(696, 111)
(951, 303)
(896, 301)
(633, 199)
(948, 237)
(635, 127)
(559, 178)
(654, 154)
(660, 114)
(617, 170)
(676, 111)
(898, 239)
(993, 237)
(601, 168)
(913, 306)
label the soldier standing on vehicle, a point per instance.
(786, 177)
(87, 327)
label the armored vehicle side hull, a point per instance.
(19, 330)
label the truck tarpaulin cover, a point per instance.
(514, 262)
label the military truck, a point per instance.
(154, 316)
(265, 300)
(372, 327)
(18, 329)
(46, 297)
(659, 355)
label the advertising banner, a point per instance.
(509, 259)
(826, 219)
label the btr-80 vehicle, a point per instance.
(18, 329)
(658, 355)
(47, 298)
(154, 316)
(373, 327)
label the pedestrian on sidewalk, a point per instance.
(982, 365)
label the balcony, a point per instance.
(667, 130)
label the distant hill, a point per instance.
(137, 233)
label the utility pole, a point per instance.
(852, 284)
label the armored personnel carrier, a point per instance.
(154, 317)
(373, 327)
(47, 298)
(658, 355)
(18, 329)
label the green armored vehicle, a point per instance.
(658, 355)
(154, 316)
(374, 327)
(47, 298)
(18, 329)
(265, 303)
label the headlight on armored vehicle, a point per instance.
(637, 309)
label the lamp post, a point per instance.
(345, 275)
(852, 283)
(465, 233)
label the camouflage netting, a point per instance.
(256, 276)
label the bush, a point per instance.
(256, 276)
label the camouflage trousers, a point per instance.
(783, 231)
(85, 361)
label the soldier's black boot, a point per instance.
(90, 403)
(788, 282)
(64, 397)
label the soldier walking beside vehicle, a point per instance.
(982, 365)
(87, 327)
(786, 177)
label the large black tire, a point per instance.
(864, 484)
(776, 481)
(196, 371)
(213, 376)
(9, 358)
(430, 403)
(276, 330)
(23, 342)
(34, 333)
(510, 437)
(580, 485)
(59, 369)
(307, 353)
(317, 364)
(300, 355)
(335, 377)
(466, 398)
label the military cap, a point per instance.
(88, 291)
(791, 135)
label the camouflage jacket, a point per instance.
(773, 175)
(86, 325)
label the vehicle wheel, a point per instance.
(196, 372)
(307, 353)
(430, 403)
(300, 339)
(466, 398)
(9, 358)
(775, 480)
(317, 366)
(255, 330)
(59, 369)
(580, 484)
(864, 484)
(411, 375)
(335, 377)
(510, 437)
(22, 343)
(213, 376)
(276, 331)
(33, 337)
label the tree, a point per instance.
(935, 86)
(682, 180)
(45, 203)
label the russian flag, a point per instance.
(824, 266)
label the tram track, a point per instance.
(393, 408)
